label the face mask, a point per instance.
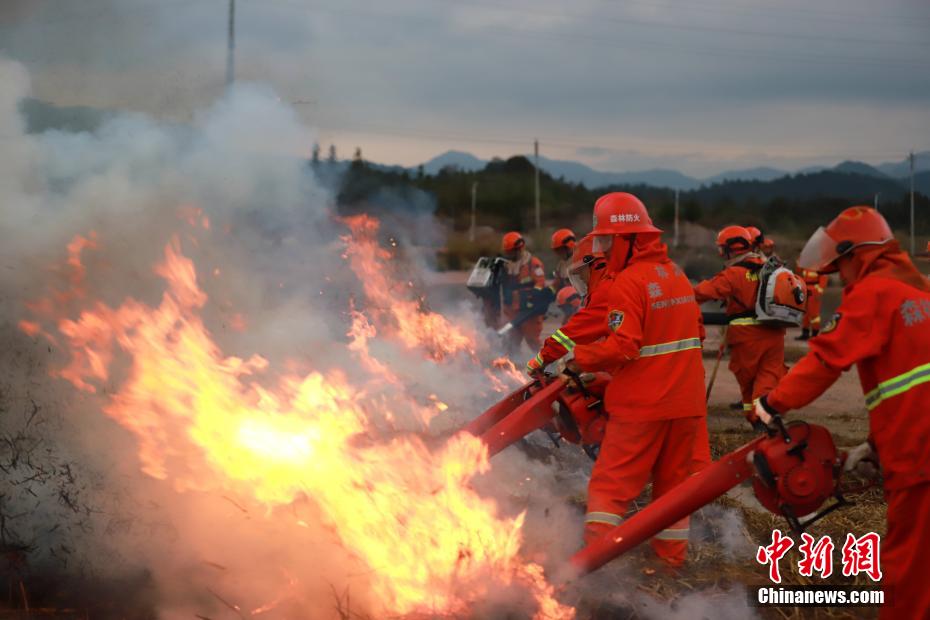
(579, 282)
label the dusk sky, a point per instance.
(697, 85)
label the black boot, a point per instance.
(805, 334)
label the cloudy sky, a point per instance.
(698, 85)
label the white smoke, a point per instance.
(271, 260)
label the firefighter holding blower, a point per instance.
(883, 328)
(757, 351)
(655, 399)
(524, 280)
(587, 271)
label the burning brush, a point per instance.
(210, 423)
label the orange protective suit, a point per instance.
(585, 326)
(519, 283)
(655, 400)
(883, 327)
(816, 284)
(757, 352)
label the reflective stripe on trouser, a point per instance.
(563, 340)
(746, 321)
(670, 347)
(748, 407)
(679, 531)
(897, 385)
(607, 518)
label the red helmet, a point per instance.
(755, 234)
(768, 244)
(619, 213)
(584, 254)
(734, 239)
(568, 295)
(512, 241)
(563, 238)
(853, 228)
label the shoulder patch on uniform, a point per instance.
(614, 319)
(831, 325)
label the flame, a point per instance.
(206, 421)
(409, 320)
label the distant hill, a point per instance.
(858, 167)
(903, 168)
(456, 159)
(749, 174)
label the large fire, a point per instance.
(214, 423)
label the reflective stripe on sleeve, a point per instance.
(603, 517)
(563, 340)
(670, 347)
(897, 385)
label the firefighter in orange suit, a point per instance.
(883, 328)
(587, 270)
(816, 283)
(563, 243)
(525, 275)
(757, 352)
(655, 399)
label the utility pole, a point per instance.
(536, 152)
(231, 45)
(913, 246)
(876, 202)
(675, 242)
(474, 204)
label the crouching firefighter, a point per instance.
(883, 328)
(757, 350)
(588, 272)
(655, 399)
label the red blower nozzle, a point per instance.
(569, 409)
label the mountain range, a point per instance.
(41, 116)
(577, 172)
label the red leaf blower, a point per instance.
(566, 407)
